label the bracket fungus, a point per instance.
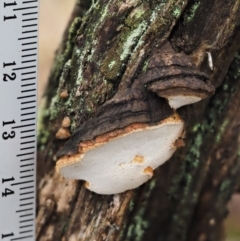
(117, 150)
(174, 76)
(137, 130)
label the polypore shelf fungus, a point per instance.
(137, 130)
(175, 77)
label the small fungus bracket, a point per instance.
(138, 129)
(174, 76)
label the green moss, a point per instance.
(128, 41)
(136, 17)
(117, 56)
(131, 205)
(63, 57)
(110, 66)
(139, 224)
(221, 131)
(64, 226)
(132, 39)
(225, 186)
(110, 70)
(54, 107)
(104, 13)
(177, 12)
(79, 56)
(145, 65)
(191, 13)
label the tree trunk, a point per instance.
(186, 198)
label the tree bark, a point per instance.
(187, 197)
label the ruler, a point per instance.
(18, 106)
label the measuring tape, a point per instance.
(18, 106)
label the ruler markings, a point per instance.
(24, 14)
(29, 113)
(26, 204)
(26, 215)
(29, 31)
(23, 91)
(29, 170)
(28, 84)
(29, 119)
(19, 9)
(26, 96)
(23, 188)
(27, 165)
(22, 126)
(29, 61)
(31, 130)
(28, 55)
(25, 73)
(30, 236)
(26, 159)
(27, 108)
(22, 56)
(29, 19)
(24, 210)
(30, 108)
(24, 137)
(30, 1)
(26, 193)
(27, 198)
(25, 154)
(28, 78)
(20, 183)
(29, 25)
(27, 148)
(28, 49)
(29, 43)
(26, 67)
(27, 102)
(27, 220)
(26, 226)
(27, 175)
(29, 231)
(23, 38)
(27, 142)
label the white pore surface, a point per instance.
(109, 169)
(181, 100)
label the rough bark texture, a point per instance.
(103, 50)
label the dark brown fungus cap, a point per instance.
(174, 77)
